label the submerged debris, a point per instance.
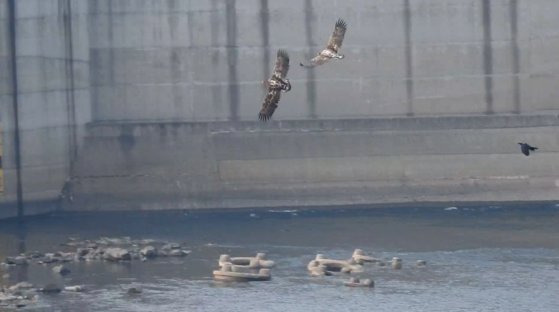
(396, 263)
(50, 289)
(355, 282)
(134, 291)
(60, 269)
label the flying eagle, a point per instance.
(526, 148)
(334, 45)
(275, 85)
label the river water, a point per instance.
(479, 258)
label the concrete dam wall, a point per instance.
(315, 162)
(152, 104)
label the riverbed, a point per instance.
(479, 258)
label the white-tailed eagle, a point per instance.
(275, 85)
(334, 45)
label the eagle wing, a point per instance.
(337, 37)
(282, 64)
(319, 60)
(270, 104)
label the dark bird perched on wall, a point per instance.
(275, 85)
(334, 45)
(526, 148)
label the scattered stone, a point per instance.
(7, 297)
(148, 252)
(178, 253)
(170, 246)
(116, 254)
(60, 269)
(50, 289)
(76, 288)
(20, 285)
(65, 256)
(19, 260)
(146, 241)
(35, 255)
(81, 252)
(355, 282)
(92, 246)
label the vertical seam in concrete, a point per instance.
(217, 98)
(191, 44)
(409, 58)
(70, 96)
(513, 6)
(311, 83)
(111, 59)
(487, 56)
(265, 32)
(232, 57)
(15, 106)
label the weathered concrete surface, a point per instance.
(155, 73)
(205, 60)
(334, 162)
(52, 58)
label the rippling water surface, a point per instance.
(484, 258)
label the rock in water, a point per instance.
(170, 246)
(20, 285)
(396, 263)
(50, 289)
(116, 254)
(148, 252)
(19, 260)
(76, 288)
(60, 269)
(178, 253)
(134, 291)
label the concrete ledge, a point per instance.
(388, 123)
(183, 165)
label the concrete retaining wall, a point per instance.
(52, 55)
(298, 163)
(157, 77)
(205, 60)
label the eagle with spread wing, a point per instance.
(334, 45)
(275, 85)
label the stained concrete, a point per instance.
(310, 163)
(53, 99)
(138, 103)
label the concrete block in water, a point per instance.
(226, 274)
